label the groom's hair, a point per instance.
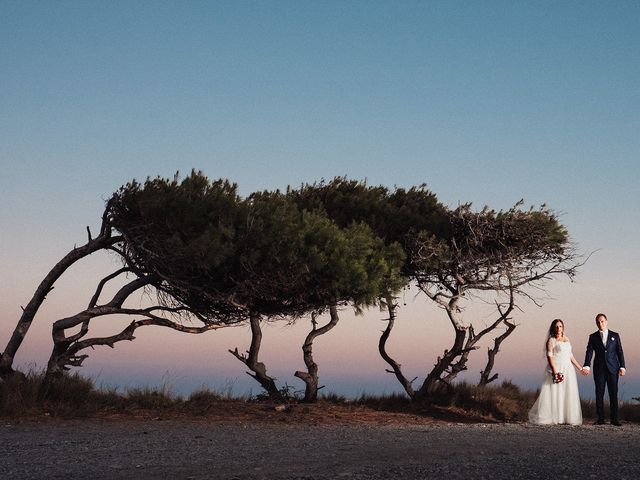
(601, 315)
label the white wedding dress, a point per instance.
(558, 402)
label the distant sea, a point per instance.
(183, 383)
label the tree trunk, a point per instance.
(310, 377)
(455, 360)
(395, 366)
(485, 375)
(443, 364)
(56, 364)
(251, 361)
(29, 312)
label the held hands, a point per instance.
(585, 371)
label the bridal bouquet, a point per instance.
(557, 377)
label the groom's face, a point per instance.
(601, 322)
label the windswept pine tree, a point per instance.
(490, 256)
(454, 256)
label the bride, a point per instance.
(559, 400)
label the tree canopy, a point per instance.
(227, 256)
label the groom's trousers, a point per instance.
(611, 381)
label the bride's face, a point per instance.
(559, 329)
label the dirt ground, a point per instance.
(315, 442)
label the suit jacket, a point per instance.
(607, 357)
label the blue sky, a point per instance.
(485, 102)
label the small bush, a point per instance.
(392, 402)
(334, 398)
(505, 402)
(34, 393)
(588, 408)
(19, 394)
(151, 399)
(202, 401)
(630, 411)
(627, 411)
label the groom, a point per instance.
(607, 365)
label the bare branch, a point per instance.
(70, 357)
(103, 282)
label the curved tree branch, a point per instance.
(485, 375)
(396, 368)
(65, 348)
(71, 357)
(103, 282)
(310, 377)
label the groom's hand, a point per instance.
(622, 372)
(584, 371)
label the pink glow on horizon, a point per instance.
(348, 354)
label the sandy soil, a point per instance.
(311, 443)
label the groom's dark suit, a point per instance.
(608, 361)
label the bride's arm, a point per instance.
(575, 362)
(552, 364)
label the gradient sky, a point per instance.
(485, 102)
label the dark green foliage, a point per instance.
(151, 399)
(483, 246)
(224, 256)
(185, 234)
(391, 215)
(193, 218)
(509, 234)
(304, 261)
(345, 201)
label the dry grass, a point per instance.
(505, 402)
(627, 411)
(75, 396)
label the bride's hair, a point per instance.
(552, 331)
(552, 328)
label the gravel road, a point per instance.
(106, 449)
